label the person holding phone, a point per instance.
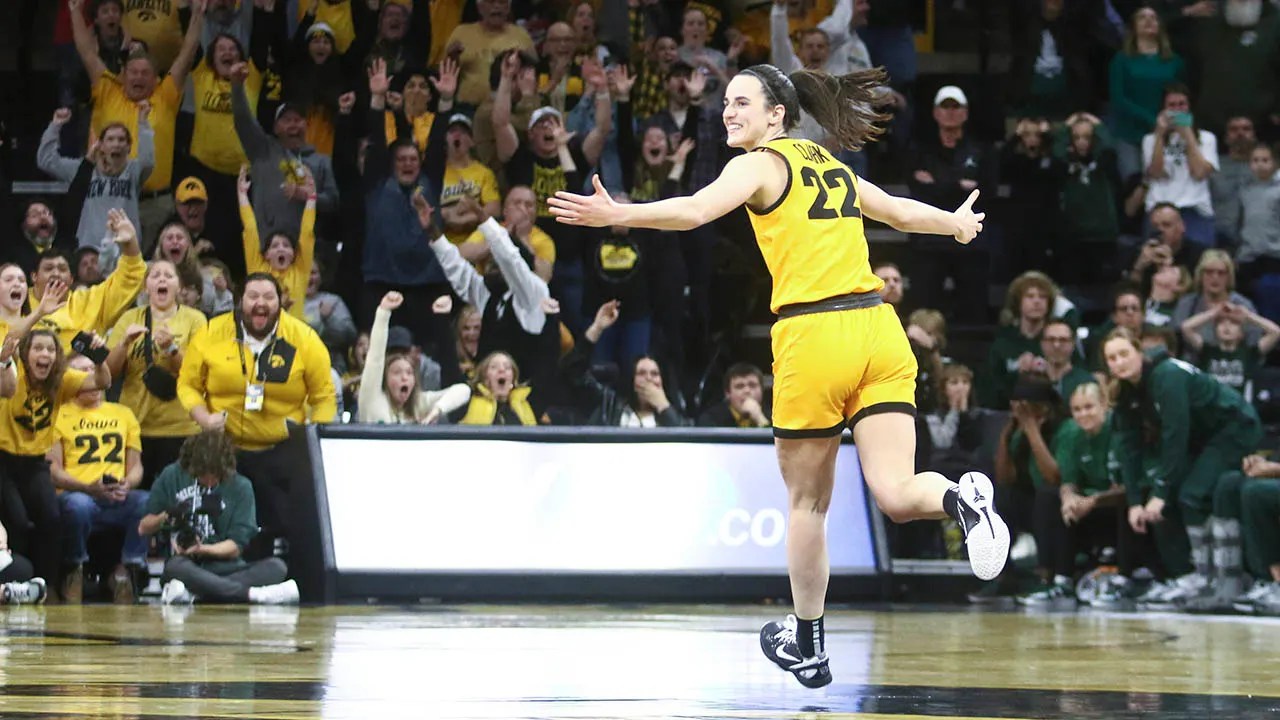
(1179, 159)
(95, 463)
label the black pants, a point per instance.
(158, 453)
(28, 499)
(232, 587)
(222, 223)
(19, 570)
(272, 480)
(415, 314)
(1057, 544)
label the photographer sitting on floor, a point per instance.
(209, 509)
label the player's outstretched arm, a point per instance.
(739, 182)
(914, 216)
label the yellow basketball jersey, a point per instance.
(812, 238)
(96, 441)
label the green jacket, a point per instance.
(1174, 409)
(238, 520)
(1001, 371)
(1087, 461)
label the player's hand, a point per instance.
(596, 210)
(968, 223)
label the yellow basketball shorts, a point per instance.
(830, 369)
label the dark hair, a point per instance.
(738, 370)
(844, 105)
(209, 452)
(527, 60)
(128, 136)
(1122, 288)
(100, 3)
(50, 384)
(262, 276)
(209, 48)
(1175, 88)
(885, 264)
(293, 241)
(52, 253)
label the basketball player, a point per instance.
(841, 357)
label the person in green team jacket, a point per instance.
(1031, 301)
(1083, 510)
(1199, 429)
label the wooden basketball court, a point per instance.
(623, 662)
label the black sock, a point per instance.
(811, 637)
(951, 503)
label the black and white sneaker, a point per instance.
(985, 533)
(31, 592)
(778, 641)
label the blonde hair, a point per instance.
(482, 367)
(1098, 392)
(1113, 383)
(932, 322)
(1215, 255)
(1013, 298)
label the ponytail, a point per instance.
(844, 105)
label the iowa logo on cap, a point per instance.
(191, 186)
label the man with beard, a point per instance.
(116, 181)
(1238, 64)
(252, 373)
(40, 231)
(279, 187)
(1232, 176)
(117, 98)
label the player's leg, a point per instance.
(884, 431)
(798, 644)
(808, 415)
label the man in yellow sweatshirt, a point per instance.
(95, 308)
(252, 372)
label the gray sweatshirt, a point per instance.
(106, 192)
(275, 212)
(1259, 221)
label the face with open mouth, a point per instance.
(42, 355)
(399, 381)
(162, 284)
(175, 243)
(500, 376)
(39, 222)
(654, 146)
(260, 307)
(225, 54)
(13, 289)
(115, 148)
(280, 253)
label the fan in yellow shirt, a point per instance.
(214, 142)
(35, 386)
(255, 370)
(116, 98)
(97, 307)
(463, 175)
(286, 259)
(146, 353)
(95, 463)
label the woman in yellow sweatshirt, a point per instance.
(286, 259)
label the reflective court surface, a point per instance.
(623, 662)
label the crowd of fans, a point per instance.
(292, 211)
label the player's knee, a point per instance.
(810, 502)
(896, 511)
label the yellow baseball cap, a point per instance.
(191, 189)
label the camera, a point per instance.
(82, 343)
(182, 519)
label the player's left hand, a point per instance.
(968, 223)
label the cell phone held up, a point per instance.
(109, 480)
(83, 343)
